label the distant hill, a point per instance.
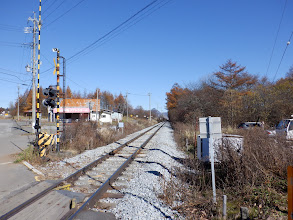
(165, 114)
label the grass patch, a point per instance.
(29, 154)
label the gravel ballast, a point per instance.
(141, 194)
(148, 172)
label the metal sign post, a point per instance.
(212, 159)
(210, 131)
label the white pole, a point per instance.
(224, 206)
(211, 152)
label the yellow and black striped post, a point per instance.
(58, 104)
(37, 126)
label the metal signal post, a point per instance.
(58, 104)
(58, 99)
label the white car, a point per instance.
(285, 127)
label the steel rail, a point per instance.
(70, 178)
(107, 184)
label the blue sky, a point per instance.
(182, 42)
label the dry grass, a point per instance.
(256, 178)
(83, 136)
(29, 155)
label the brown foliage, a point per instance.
(254, 177)
(173, 96)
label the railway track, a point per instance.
(93, 181)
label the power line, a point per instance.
(64, 13)
(117, 27)
(288, 43)
(75, 83)
(137, 94)
(276, 37)
(127, 26)
(13, 71)
(54, 10)
(13, 44)
(53, 2)
(7, 80)
(6, 27)
(120, 28)
(12, 75)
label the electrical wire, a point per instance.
(117, 27)
(63, 14)
(8, 80)
(137, 94)
(12, 44)
(6, 27)
(126, 27)
(53, 10)
(276, 38)
(288, 43)
(13, 71)
(76, 83)
(135, 18)
(8, 74)
(26, 95)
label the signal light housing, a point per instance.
(50, 100)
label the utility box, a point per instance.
(209, 137)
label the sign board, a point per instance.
(72, 110)
(210, 127)
(121, 125)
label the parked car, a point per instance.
(285, 127)
(247, 125)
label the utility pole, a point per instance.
(18, 105)
(97, 106)
(126, 105)
(64, 93)
(34, 20)
(150, 106)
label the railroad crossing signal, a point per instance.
(50, 100)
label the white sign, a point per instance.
(121, 125)
(72, 110)
(211, 125)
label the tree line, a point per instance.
(234, 95)
(107, 101)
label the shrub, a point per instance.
(254, 177)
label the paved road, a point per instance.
(14, 137)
